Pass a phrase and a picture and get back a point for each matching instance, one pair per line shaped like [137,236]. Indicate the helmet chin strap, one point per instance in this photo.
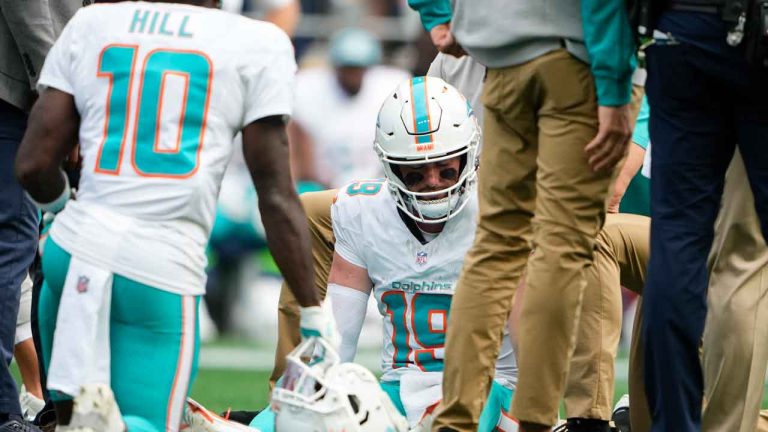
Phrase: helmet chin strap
[436,209]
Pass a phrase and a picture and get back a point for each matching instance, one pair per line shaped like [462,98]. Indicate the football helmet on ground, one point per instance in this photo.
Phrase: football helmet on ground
[319,394]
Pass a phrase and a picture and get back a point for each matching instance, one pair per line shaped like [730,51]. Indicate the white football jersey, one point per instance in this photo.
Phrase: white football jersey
[341,126]
[413,283]
[161,89]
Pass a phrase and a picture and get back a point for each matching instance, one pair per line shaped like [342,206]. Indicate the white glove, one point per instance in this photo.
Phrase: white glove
[318,321]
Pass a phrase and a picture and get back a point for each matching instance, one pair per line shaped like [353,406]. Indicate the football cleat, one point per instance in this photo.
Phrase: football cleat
[242,417]
[197,418]
[620,415]
[94,410]
[30,404]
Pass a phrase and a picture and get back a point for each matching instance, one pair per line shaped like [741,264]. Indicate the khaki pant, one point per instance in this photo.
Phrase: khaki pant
[538,118]
[591,379]
[317,206]
[735,342]
[621,254]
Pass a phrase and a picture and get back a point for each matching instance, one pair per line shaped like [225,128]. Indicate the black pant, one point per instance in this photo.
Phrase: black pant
[705,99]
[18,241]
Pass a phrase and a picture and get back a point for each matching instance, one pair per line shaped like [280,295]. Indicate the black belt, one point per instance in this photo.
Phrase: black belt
[689,7]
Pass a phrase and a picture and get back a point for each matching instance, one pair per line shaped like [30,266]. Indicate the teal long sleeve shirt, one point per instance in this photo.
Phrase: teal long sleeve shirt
[611,47]
[607,36]
[432,12]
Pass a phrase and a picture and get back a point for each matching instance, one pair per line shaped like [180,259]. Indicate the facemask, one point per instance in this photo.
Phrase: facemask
[439,208]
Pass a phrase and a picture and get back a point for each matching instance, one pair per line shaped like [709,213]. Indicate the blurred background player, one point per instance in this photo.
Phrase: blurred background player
[330,131]
[125,267]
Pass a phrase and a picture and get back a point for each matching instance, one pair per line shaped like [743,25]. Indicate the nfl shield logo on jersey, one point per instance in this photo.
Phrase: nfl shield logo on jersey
[421,258]
[82,284]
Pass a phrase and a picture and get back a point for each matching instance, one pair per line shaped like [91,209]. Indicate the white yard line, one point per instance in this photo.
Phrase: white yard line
[256,359]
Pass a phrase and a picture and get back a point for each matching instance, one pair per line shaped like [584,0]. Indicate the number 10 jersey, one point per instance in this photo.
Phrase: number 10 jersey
[161,90]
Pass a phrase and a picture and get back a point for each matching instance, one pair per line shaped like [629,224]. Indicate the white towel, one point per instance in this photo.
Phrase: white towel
[81,341]
[419,391]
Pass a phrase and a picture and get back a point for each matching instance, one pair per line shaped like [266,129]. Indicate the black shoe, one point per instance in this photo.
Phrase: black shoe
[46,418]
[620,419]
[18,424]
[577,424]
[242,417]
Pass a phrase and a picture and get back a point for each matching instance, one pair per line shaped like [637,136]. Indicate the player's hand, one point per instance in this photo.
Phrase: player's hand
[443,40]
[612,140]
[318,321]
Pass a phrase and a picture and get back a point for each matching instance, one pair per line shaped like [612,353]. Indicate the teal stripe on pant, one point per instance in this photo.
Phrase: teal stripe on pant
[145,340]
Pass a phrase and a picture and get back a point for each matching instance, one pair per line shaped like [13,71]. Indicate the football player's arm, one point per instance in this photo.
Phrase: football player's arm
[265,148]
[50,137]
[348,288]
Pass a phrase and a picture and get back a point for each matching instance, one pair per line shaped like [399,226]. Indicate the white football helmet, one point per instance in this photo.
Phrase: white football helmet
[427,120]
[319,394]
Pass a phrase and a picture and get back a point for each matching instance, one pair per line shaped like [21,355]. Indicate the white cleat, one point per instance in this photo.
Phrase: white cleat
[30,404]
[94,410]
[198,419]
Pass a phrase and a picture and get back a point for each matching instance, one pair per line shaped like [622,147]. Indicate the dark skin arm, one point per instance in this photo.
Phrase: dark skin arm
[50,137]
[265,147]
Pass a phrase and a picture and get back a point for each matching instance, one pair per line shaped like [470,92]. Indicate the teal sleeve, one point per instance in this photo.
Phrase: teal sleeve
[611,47]
[641,136]
[432,12]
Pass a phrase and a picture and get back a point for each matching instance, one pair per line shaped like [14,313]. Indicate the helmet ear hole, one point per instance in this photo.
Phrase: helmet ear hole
[355,402]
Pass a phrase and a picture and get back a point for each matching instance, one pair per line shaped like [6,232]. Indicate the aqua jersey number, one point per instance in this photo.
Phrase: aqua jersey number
[149,158]
[418,328]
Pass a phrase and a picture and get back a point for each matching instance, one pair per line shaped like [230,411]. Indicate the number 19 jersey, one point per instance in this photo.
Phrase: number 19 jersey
[413,282]
[161,89]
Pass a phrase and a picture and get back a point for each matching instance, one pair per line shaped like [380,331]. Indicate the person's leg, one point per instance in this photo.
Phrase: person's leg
[751,118]
[492,268]
[18,238]
[735,346]
[392,389]
[26,359]
[589,389]
[692,144]
[570,211]
[762,423]
[639,413]
[154,340]
[24,350]
[494,416]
